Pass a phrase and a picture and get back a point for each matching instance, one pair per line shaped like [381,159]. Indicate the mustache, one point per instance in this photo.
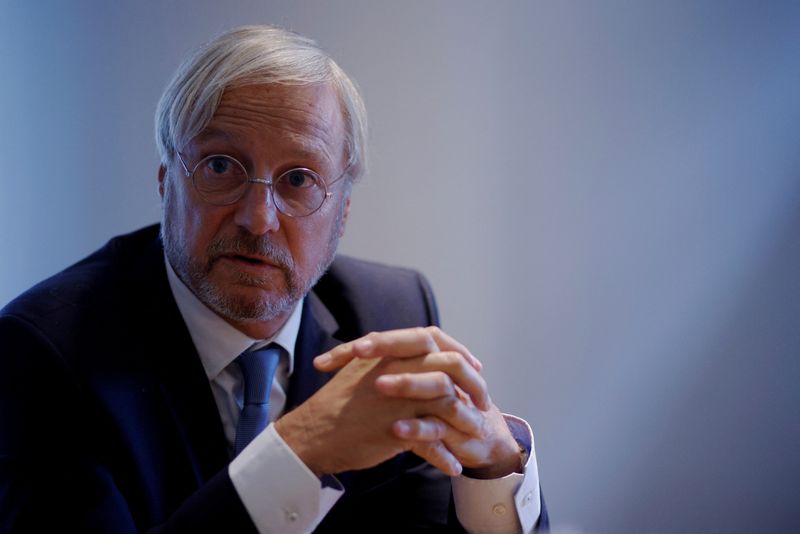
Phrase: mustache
[248,244]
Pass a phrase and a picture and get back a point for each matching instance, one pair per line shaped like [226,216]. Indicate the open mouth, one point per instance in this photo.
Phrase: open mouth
[250,260]
[254,262]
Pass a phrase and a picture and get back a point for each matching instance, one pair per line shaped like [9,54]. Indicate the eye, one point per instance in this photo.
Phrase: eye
[298,179]
[220,179]
[221,165]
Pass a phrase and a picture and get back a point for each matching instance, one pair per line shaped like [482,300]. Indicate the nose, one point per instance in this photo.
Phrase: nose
[256,211]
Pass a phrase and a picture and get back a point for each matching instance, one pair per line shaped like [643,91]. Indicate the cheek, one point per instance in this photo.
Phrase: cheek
[308,239]
[202,227]
[194,225]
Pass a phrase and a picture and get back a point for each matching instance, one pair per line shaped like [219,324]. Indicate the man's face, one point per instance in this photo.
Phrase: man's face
[247,261]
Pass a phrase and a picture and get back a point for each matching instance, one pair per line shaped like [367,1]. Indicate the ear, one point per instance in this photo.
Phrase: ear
[162,174]
[344,216]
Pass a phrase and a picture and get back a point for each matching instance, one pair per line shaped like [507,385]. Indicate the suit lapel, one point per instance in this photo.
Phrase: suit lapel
[317,335]
[182,379]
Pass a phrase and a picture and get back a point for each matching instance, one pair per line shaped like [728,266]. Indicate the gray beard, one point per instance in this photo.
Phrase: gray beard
[235,308]
[194,273]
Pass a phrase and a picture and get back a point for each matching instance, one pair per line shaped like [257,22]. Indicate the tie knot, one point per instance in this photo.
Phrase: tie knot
[258,370]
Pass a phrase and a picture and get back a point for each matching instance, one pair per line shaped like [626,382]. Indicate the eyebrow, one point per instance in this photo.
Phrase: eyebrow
[211,134]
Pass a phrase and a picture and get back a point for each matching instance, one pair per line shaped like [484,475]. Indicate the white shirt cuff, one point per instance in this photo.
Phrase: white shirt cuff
[510,504]
[279,492]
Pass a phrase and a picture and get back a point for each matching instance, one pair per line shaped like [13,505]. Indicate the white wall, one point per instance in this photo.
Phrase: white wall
[604,194]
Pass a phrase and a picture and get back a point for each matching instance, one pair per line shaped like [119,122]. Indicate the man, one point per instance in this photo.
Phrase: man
[138,385]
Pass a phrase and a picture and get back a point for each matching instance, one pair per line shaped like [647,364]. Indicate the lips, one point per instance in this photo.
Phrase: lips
[248,263]
[254,260]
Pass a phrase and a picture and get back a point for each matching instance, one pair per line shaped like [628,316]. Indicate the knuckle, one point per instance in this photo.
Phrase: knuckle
[485,429]
[431,333]
[443,383]
[431,450]
[413,428]
[440,430]
[451,406]
[425,430]
[403,382]
[452,360]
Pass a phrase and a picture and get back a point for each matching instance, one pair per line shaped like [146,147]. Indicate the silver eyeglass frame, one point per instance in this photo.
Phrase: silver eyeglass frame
[268,183]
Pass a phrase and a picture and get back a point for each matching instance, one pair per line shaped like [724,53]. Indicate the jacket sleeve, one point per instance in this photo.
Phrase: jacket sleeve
[54,476]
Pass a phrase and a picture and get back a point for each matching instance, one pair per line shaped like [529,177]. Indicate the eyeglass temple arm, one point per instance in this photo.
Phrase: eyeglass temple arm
[185,168]
[344,173]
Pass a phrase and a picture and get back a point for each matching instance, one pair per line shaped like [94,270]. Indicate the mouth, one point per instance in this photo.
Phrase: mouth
[252,260]
[251,263]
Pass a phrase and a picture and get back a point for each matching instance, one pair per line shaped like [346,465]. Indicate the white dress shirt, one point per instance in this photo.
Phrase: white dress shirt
[279,492]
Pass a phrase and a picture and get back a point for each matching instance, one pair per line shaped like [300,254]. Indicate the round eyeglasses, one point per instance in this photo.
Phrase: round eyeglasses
[222,180]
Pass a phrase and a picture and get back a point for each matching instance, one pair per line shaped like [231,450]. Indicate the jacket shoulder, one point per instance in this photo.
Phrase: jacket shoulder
[82,292]
[367,296]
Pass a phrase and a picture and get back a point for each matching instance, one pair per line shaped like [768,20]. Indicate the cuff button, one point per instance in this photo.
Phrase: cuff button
[498,509]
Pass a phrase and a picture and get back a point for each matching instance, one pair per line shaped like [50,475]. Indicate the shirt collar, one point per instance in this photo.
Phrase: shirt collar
[217,342]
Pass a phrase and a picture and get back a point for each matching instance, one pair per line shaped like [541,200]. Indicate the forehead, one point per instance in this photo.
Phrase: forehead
[302,119]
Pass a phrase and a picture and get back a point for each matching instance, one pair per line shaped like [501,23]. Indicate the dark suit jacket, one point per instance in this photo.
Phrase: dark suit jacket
[108,423]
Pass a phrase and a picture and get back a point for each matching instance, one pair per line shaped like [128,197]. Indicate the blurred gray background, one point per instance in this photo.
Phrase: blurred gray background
[605,196]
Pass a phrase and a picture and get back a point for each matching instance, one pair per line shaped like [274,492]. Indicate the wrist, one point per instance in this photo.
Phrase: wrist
[293,431]
[510,457]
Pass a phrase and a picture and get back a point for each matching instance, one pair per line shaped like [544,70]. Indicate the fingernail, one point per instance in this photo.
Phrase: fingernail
[322,360]
[457,468]
[402,428]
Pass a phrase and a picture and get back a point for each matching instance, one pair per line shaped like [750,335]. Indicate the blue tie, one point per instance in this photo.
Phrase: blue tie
[258,370]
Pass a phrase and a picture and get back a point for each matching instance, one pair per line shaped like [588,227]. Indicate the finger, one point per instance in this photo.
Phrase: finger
[456,414]
[462,396]
[468,451]
[438,456]
[447,342]
[412,342]
[406,343]
[334,359]
[422,429]
[420,386]
[455,367]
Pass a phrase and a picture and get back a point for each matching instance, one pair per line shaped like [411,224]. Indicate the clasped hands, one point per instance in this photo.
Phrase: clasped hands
[416,390]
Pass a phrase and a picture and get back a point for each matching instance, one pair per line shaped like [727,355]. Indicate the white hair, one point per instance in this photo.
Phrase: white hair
[253,55]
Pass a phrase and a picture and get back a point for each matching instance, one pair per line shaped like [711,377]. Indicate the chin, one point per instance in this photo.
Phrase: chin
[248,304]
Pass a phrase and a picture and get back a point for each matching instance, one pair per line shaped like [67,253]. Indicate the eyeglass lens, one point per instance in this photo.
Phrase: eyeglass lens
[223,180]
